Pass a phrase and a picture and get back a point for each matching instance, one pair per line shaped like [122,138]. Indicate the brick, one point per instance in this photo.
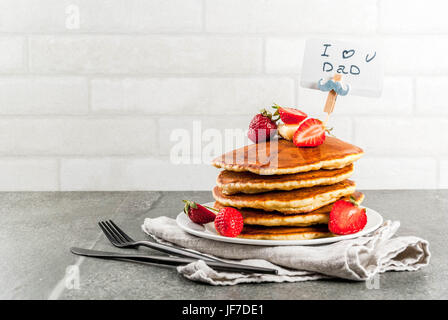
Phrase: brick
[190,96]
[342,127]
[100,15]
[135,174]
[302,16]
[145,54]
[396,99]
[43,95]
[284,54]
[28,174]
[415,55]
[402,136]
[395,173]
[402,16]
[12,58]
[430,95]
[77,136]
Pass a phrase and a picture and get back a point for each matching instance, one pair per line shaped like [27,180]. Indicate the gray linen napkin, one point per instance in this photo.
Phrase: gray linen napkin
[356,259]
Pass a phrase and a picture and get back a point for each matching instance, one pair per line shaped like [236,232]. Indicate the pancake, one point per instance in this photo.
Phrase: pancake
[285,233]
[263,218]
[283,157]
[288,202]
[232,182]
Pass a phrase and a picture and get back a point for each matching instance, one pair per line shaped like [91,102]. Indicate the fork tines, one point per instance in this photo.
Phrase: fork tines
[114,233]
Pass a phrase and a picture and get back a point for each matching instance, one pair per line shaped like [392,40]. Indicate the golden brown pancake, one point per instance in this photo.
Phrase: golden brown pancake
[283,157]
[264,218]
[285,233]
[232,182]
[288,202]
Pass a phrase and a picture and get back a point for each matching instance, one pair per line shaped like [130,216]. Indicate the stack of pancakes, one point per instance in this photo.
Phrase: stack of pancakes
[285,192]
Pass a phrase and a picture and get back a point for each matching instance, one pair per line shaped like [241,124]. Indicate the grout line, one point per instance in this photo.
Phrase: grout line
[296,92]
[218,75]
[263,55]
[59,288]
[414,96]
[378,17]
[204,33]
[204,16]
[89,95]
[27,57]
[58,173]
[227,75]
[352,129]
[438,173]
[155,117]
[236,34]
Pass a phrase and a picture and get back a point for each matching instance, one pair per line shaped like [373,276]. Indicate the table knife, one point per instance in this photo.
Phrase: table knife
[172,261]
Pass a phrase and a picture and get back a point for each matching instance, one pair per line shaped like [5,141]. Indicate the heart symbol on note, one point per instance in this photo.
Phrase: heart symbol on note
[348,53]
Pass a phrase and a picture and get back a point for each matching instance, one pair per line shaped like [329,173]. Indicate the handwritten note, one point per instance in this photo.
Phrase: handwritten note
[359,65]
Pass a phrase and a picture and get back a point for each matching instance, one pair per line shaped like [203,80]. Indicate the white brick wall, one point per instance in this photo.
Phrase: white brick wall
[93,106]
[190,96]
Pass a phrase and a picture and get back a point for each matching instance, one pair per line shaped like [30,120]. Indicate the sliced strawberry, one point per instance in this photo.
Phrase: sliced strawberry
[346,217]
[290,115]
[310,133]
[197,213]
[229,222]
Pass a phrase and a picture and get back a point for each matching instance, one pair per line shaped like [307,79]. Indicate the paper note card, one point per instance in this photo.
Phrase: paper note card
[359,65]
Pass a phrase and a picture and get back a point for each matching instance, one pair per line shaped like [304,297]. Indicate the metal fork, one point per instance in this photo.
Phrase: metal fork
[121,240]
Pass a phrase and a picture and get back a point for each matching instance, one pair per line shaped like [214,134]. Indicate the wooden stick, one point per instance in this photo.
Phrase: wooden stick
[331,99]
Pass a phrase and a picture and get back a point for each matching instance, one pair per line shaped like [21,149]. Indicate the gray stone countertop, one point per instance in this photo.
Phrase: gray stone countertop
[38,228]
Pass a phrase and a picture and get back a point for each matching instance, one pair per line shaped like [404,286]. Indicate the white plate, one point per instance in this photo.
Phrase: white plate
[374,220]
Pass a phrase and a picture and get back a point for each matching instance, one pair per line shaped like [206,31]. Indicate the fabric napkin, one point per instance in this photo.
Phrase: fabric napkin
[355,259]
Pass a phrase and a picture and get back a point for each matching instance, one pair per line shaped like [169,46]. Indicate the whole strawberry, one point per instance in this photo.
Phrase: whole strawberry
[262,127]
[229,222]
[346,217]
[197,213]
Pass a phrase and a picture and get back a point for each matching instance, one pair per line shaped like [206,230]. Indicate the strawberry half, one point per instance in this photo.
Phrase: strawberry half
[290,115]
[197,213]
[311,133]
[229,222]
[346,217]
[262,127]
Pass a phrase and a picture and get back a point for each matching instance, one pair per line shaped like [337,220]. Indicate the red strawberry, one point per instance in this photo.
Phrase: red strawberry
[197,213]
[346,217]
[290,115]
[310,133]
[262,127]
[229,222]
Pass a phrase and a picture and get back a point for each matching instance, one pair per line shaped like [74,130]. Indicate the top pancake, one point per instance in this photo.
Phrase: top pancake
[232,182]
[283,157]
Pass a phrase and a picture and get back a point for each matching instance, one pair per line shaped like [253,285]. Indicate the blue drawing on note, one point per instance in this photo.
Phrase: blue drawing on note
[333,85]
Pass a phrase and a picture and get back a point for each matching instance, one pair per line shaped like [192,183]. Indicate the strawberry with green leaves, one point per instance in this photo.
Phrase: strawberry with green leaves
[289,115]
[346,217]
[198,213]
[262,127]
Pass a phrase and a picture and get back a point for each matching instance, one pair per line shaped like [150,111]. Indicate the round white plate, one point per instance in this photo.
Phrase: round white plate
[374,220]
